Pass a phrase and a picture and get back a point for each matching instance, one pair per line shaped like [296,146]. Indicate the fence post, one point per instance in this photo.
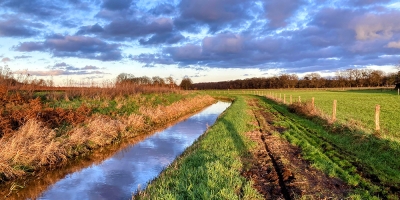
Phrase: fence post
[284,98]
[334,111]
[299,99]
[313,103]
[377,110]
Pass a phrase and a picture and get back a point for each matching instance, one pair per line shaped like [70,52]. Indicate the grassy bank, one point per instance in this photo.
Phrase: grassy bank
[35,146]
[365,162]
[210,169]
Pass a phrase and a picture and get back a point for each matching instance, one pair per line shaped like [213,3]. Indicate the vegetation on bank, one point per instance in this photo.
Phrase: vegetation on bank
[367,163]
[49,133]
[211,167]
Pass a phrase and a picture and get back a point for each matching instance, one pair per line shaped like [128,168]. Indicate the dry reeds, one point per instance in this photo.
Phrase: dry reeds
[34,145]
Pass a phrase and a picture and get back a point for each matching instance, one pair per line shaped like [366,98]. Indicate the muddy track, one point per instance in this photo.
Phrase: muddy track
[278,169]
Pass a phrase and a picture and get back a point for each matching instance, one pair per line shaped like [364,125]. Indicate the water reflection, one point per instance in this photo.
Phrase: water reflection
[121,175]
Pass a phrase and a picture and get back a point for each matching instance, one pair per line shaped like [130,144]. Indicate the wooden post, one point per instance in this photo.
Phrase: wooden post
[299,99]
[313,103]
[334,111]
[284,98]
[290,99]
[280,96]
[377,110]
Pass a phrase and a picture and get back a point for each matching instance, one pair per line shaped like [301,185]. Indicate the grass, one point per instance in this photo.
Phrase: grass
[210,169]
[120,105]
[363,161]
[355,107]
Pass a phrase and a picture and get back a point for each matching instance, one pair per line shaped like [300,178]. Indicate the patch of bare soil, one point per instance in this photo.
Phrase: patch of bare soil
[278,169]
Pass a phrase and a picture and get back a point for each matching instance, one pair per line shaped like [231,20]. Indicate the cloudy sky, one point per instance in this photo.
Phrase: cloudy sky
[207,40]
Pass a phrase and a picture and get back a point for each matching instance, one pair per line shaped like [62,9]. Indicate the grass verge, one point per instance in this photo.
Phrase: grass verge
[211,167]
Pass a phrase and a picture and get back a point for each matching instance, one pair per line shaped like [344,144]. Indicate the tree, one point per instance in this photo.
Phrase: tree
[186,83]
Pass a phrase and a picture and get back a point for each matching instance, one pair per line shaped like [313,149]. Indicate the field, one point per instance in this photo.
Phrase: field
[259,148]
[356,106]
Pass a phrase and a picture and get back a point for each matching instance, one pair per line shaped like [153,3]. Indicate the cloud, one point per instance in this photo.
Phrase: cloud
[63,68]
[121,29]
[394,44]
[59,72]
[163,38]
[217,14]
[74,46]
[279,11]
[15,27]
[116,4]
[90,67]
[6,59]
[22,57]
[188,52]
[94,29]
[163,9]
[223,43]
[377,26]
[37,8]
[152,58]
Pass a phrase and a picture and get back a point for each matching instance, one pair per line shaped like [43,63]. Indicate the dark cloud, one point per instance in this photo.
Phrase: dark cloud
[15,27]
[117,4]
[120,29]
[217,14]
[74,46]
[163,9]
[38,8]
[94,29]
[152,58]
[279,11]
[135,28]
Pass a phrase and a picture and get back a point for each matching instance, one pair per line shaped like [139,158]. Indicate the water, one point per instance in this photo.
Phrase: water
[119,176]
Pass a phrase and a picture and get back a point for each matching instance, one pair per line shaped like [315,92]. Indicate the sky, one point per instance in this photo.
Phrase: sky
[206,40]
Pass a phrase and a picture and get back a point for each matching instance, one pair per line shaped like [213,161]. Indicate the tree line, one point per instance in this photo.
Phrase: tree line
[344,78]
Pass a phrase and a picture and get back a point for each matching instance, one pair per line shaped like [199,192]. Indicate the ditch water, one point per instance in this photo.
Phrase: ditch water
[130,169]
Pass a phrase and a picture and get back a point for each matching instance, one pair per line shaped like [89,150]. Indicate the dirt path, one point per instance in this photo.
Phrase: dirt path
[278,169]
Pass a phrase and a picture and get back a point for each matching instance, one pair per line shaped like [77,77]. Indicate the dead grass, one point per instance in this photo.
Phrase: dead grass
[34,145]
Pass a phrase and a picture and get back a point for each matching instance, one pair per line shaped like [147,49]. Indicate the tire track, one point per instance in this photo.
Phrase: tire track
[294,176]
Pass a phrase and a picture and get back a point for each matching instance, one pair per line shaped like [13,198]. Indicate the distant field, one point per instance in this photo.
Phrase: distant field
[353,106]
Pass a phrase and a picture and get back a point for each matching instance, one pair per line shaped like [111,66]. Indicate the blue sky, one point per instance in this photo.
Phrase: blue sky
[206,40]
